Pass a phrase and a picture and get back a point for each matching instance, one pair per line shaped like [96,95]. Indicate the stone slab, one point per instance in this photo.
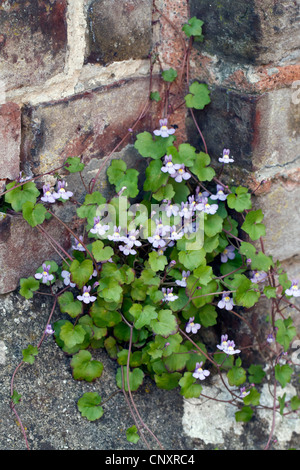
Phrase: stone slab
[10,137]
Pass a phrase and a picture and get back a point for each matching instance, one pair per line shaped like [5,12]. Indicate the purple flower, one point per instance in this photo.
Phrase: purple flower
[181,173]
[171,209]
[78,245]
[127,250]
[98,228]
[116,236]
[228,253]
[206,207]
[61,192]
[67,278]
[182,282]
[156,240]
[168,167]
[226,158]
[199,373]
[243,392]
[200,195]
[164,131]
[185,211]
[161,228]
[192,327]
[270,338]
[258,276]
[226,302]
[44,275]
[220,194]
[49,330]
[168,295]
[86,297]
[48,196]
[227,346]
[174,234]
[294,289]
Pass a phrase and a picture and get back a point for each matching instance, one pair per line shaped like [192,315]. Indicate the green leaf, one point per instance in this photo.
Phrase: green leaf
[213,224]
[245,294]
[136,378]
[283,374]
[154,147]
[121,177]
[157,262]
[281,403]
[194,28]
[28,286]
[29,354]
[236,376]
[155,96]
[189,389]
[69,305]
[88,405]
[73,164]
[72,335]
[84,368]
[192,259]
[169,75]
[34,214]
[198,97]
[142,315]
[132,434]
[81,272]
[201,167]
[155,178]
[253,398]
[256,374]
[165,324]
[295,403]
[16,397]
[244,415]
[28,192]
[207,315]
[286,332]
[103,317]
[253,225]
[165,192]
[167,380]
[259,261]
[100,252]
[185,155]
[239,199]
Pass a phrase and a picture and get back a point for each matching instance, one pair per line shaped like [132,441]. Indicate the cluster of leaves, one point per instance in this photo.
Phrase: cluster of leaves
[130,318]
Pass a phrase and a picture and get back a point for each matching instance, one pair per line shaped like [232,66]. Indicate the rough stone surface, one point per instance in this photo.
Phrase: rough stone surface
[87,125]
[118,30]
[10,137]
[33,41]
[247,31]
[23,249]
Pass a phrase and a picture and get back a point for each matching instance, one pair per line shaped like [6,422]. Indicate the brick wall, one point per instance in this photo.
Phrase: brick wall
[74,75]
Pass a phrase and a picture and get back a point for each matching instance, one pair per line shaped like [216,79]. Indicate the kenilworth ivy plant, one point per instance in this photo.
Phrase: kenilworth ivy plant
[153,268]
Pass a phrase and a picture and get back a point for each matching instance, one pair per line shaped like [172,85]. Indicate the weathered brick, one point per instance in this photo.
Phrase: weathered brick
[118,30]
[10,137]
[256,31]
[33,41]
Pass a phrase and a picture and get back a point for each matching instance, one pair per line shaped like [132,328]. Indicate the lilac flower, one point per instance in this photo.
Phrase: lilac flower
[61,192]
[171,209]
[22,178]
[174,234]
[168,167]
[182,282]
[270,338]
[161,228]
[199,373]
[168,295]
[48,196]
[98,228]
[228,253]
[226,302]
[127,250]
[181,173]
[86,297]
[131,239]
[185,211]
[192,327]
[258,276]
[243,392]
[294,289]
[78,245]
[116,236]
[44,275]
[225,158]
[164,131]
[200,195]
[227,346]
[206,207]
[49,330]
[67,278]
[220,194]
[157,241]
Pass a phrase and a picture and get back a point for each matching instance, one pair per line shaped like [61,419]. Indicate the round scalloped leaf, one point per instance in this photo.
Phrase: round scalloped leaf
[88,405]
